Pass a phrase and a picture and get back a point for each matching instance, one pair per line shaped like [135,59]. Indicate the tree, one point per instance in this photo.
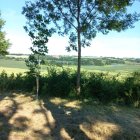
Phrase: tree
[80,20]
[4,44]
[33,63]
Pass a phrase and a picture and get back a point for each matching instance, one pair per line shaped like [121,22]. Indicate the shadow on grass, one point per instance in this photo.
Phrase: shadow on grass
[91,122]
[24,118]
[8,109]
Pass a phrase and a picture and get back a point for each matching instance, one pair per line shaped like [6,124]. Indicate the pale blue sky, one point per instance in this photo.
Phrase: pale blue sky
[124,44]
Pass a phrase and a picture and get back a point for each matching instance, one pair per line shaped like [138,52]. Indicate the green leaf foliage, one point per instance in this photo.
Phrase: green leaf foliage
[45,17]
[103,87]
[80,20]
[4,43]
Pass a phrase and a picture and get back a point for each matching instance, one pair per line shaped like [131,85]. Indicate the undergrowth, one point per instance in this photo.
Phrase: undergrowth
[103,87]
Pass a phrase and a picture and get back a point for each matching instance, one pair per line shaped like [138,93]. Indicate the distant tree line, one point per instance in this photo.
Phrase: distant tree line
[97,61]
[72,60]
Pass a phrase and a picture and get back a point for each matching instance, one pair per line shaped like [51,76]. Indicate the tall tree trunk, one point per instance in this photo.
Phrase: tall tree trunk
[78,87]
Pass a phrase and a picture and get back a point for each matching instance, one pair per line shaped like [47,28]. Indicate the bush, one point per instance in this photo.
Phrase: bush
[131,90]
[16,82]
[3,81]
[100,86]
[58,83]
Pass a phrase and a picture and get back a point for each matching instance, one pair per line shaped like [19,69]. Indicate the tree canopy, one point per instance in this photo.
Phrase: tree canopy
[80,20]
[4,43]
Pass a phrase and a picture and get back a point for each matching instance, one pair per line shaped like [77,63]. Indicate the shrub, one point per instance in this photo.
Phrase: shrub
[100,86]
[131,90]
[58,83]
[3,81]
[16,82]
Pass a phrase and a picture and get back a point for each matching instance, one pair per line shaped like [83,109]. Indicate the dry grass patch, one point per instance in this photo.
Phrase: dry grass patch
[99,130]
[66,103]
[24,118]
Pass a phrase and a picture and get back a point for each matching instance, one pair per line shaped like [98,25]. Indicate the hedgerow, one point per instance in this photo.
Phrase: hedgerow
[101,86]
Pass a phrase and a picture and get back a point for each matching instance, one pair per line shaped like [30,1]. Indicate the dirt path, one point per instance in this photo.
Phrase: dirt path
[24,118]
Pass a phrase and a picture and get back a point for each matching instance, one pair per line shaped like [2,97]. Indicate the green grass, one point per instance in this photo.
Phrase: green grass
[12,64]
[12,70]
[20,66]
[122,68]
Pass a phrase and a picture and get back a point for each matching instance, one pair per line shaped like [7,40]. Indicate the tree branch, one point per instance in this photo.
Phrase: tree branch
[90,14]
[59,8]
[71,10]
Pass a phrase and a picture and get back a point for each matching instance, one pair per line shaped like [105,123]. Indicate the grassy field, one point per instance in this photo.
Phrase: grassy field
[19,66]
[12,70]
[12,64]
[122,68]
[24,118]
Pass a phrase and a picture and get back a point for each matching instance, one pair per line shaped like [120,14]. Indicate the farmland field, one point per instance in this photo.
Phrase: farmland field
[20,66]
[115,68]
[123,69]
[12,64]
